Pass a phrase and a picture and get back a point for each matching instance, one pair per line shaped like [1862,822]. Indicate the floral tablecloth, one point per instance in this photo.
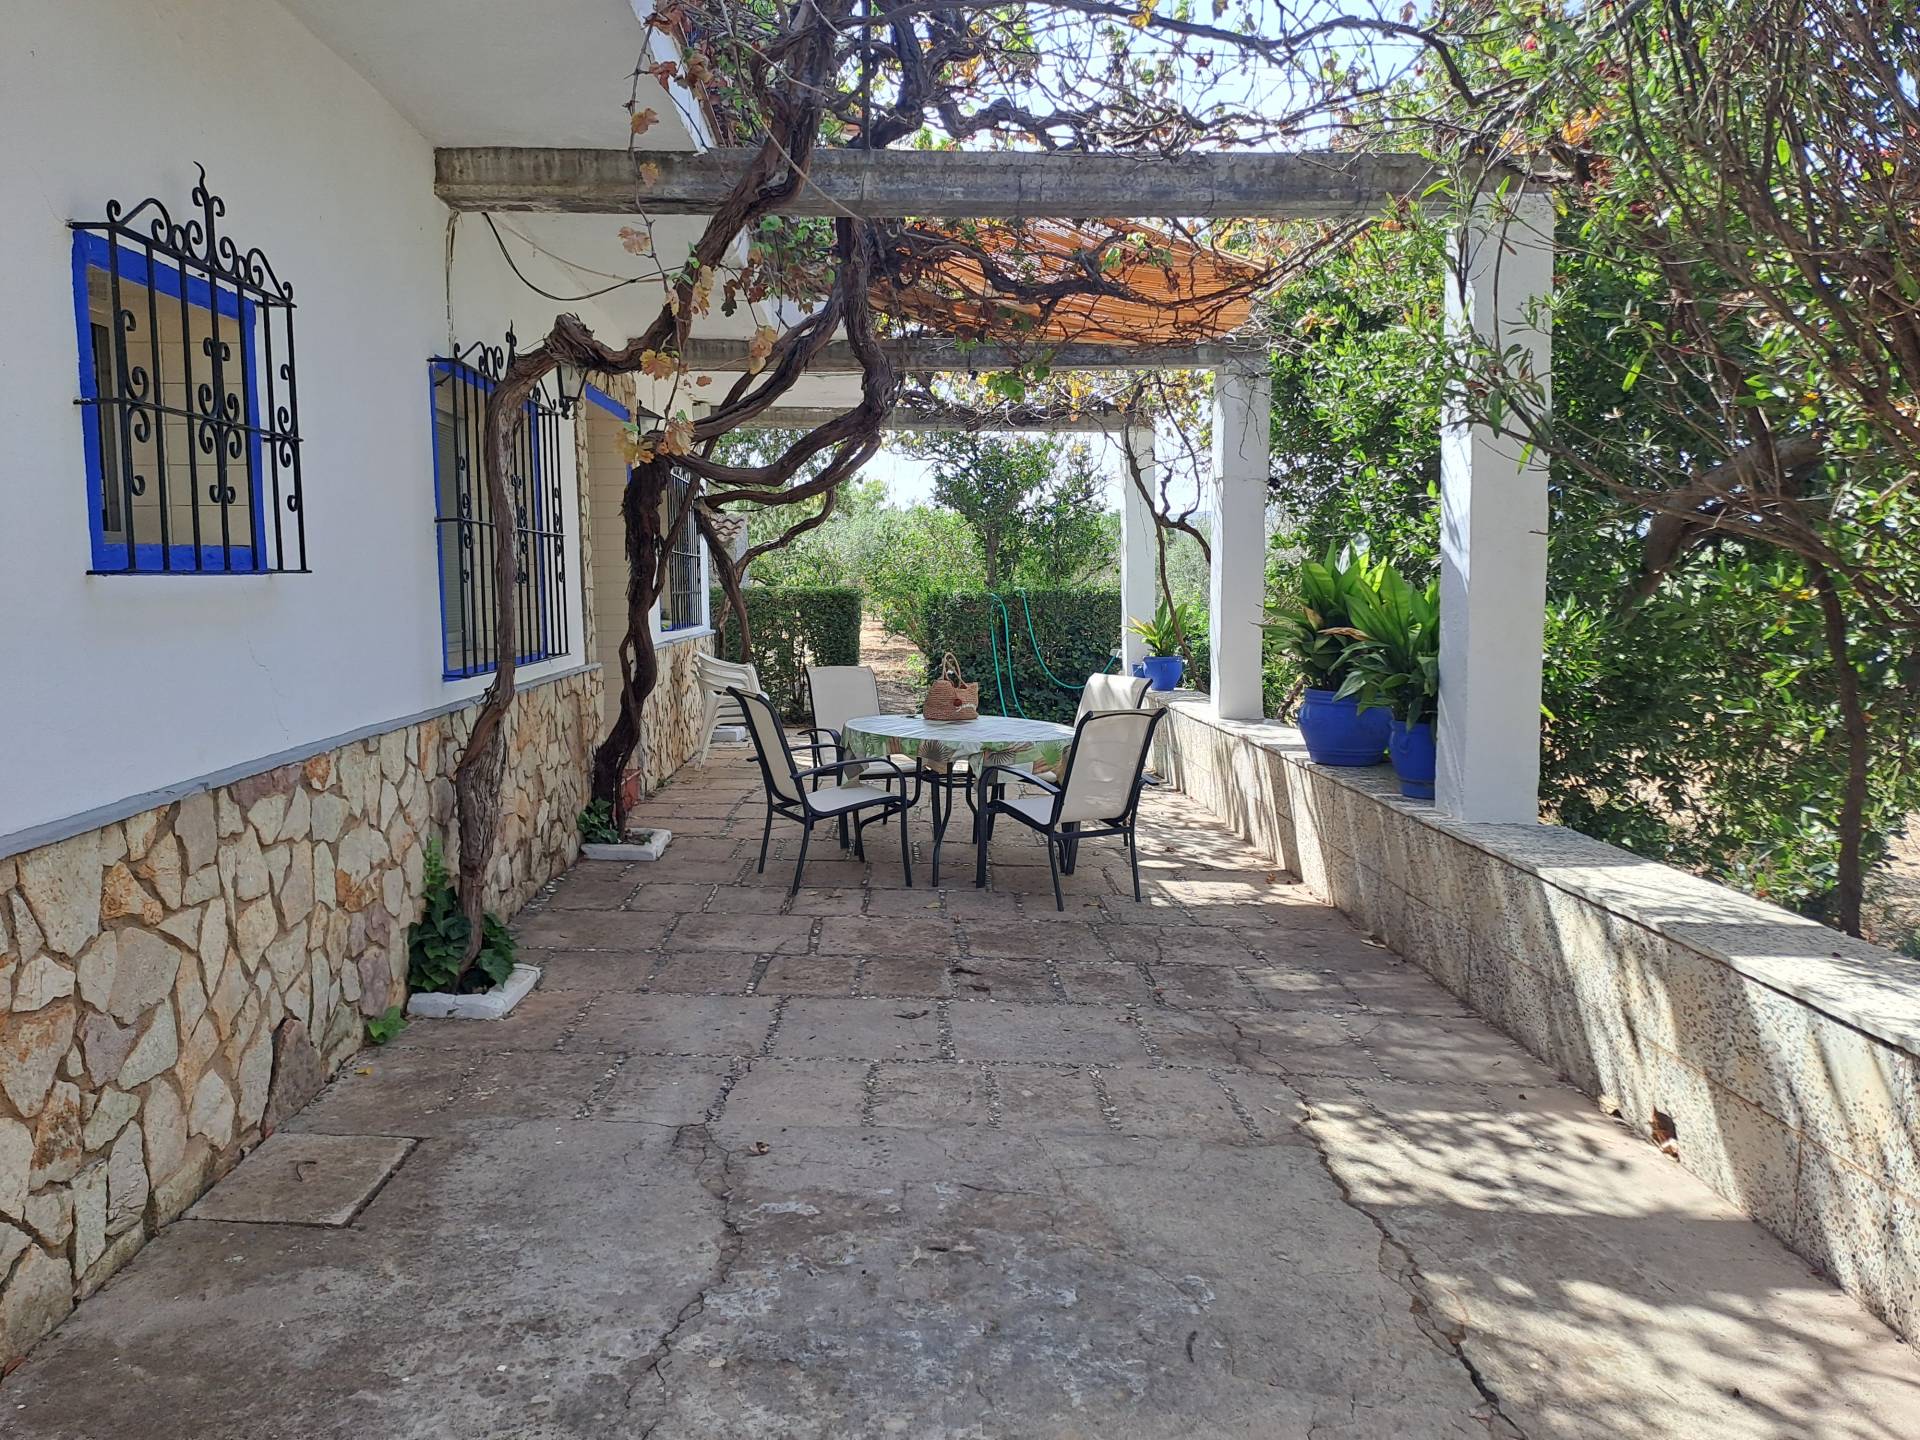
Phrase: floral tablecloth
[993,739]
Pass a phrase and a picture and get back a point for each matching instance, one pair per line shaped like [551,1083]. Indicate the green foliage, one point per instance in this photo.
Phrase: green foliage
[437,941]
[904,556]
[1699,726]
[794,627]
[897,556]
[1076,631]
[1357,397]
[1393,660]
[1189,573]
[1034,506]
[386,1026]
[597,825]
[1168,631]
[1313,620]
[1700,729]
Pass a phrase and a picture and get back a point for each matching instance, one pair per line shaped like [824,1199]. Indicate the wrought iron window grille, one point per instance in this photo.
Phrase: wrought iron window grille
[187,387]
[464,524]
[682,600]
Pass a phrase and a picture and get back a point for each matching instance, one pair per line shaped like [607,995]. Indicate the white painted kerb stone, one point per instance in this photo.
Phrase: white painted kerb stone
[494,1004]
[650,848]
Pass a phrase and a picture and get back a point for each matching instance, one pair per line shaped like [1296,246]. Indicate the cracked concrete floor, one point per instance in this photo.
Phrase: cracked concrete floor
[891,1162]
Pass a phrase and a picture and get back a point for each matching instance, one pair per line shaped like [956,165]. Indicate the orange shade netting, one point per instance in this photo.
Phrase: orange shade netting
[1158,289]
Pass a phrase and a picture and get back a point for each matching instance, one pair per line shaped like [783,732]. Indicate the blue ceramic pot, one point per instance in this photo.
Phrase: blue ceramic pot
[1338,732]
[1411,747]
[1163,672]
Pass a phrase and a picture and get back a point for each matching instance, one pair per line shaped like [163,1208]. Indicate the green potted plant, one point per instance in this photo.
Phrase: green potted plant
[1393,665]
[1163,635]
[444,986]
[1315,626]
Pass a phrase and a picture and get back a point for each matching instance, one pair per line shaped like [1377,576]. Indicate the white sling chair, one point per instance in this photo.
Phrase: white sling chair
[1105,692]
[716,706]
[1098,793]
[841,693]
[1111,692]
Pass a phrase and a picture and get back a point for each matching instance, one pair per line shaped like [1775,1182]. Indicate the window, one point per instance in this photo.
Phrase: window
[464,521]
[683,603]
[187,396]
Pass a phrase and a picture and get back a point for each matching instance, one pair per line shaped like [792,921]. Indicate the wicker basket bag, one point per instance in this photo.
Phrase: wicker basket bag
[950,697]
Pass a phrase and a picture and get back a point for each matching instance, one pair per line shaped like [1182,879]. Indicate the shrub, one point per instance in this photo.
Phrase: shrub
[794,627]
[437,941]
[1168,631]
[1076,631]
[387,1025]
[1313,614]
[597,825]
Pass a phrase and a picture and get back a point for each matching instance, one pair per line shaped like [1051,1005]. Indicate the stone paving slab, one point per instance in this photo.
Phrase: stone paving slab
[295,1179]
[862,1029]
[874,1161]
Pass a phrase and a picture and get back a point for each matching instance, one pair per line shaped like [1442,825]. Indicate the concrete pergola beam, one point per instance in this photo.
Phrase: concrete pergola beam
[957,184]
[941,354]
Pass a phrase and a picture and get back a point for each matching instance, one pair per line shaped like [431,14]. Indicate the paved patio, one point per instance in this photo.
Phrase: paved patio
[883,1161]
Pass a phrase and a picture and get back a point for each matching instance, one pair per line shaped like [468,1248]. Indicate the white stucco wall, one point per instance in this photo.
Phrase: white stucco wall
[111,687]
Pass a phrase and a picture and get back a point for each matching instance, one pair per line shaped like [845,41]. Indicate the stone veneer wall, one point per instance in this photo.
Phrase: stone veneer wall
[670,725]
[172,984]
[1773,1057]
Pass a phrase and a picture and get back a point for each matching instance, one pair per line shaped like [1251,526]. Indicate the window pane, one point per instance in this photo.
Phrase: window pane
[179,438]
[464,526]
[681,600]
[107,481]
[449,535]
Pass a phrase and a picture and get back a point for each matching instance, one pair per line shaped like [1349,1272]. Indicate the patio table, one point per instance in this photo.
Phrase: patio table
[945,746]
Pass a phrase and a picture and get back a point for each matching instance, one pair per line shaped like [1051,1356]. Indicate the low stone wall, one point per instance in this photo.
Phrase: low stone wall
[175,982]
[1773,1057]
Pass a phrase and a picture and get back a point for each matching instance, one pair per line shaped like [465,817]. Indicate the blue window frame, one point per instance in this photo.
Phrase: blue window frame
[169,376]
[464,524]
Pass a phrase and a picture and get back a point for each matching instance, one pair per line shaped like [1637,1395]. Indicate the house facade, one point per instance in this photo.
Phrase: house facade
[245,556]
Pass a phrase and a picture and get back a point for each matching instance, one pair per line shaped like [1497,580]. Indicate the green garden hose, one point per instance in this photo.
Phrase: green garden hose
[1003,678]
[1006,688]
[1027,609]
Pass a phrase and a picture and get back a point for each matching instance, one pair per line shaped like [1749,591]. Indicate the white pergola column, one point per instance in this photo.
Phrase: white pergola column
[1493,534]
[1138,551]
[1242,420]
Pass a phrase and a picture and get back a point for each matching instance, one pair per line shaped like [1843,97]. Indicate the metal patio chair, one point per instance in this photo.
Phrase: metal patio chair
[790,796]
[1098,794]
[837,694]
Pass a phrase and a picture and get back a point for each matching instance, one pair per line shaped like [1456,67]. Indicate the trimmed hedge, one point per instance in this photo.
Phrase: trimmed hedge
[793,627]
[1076,629]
